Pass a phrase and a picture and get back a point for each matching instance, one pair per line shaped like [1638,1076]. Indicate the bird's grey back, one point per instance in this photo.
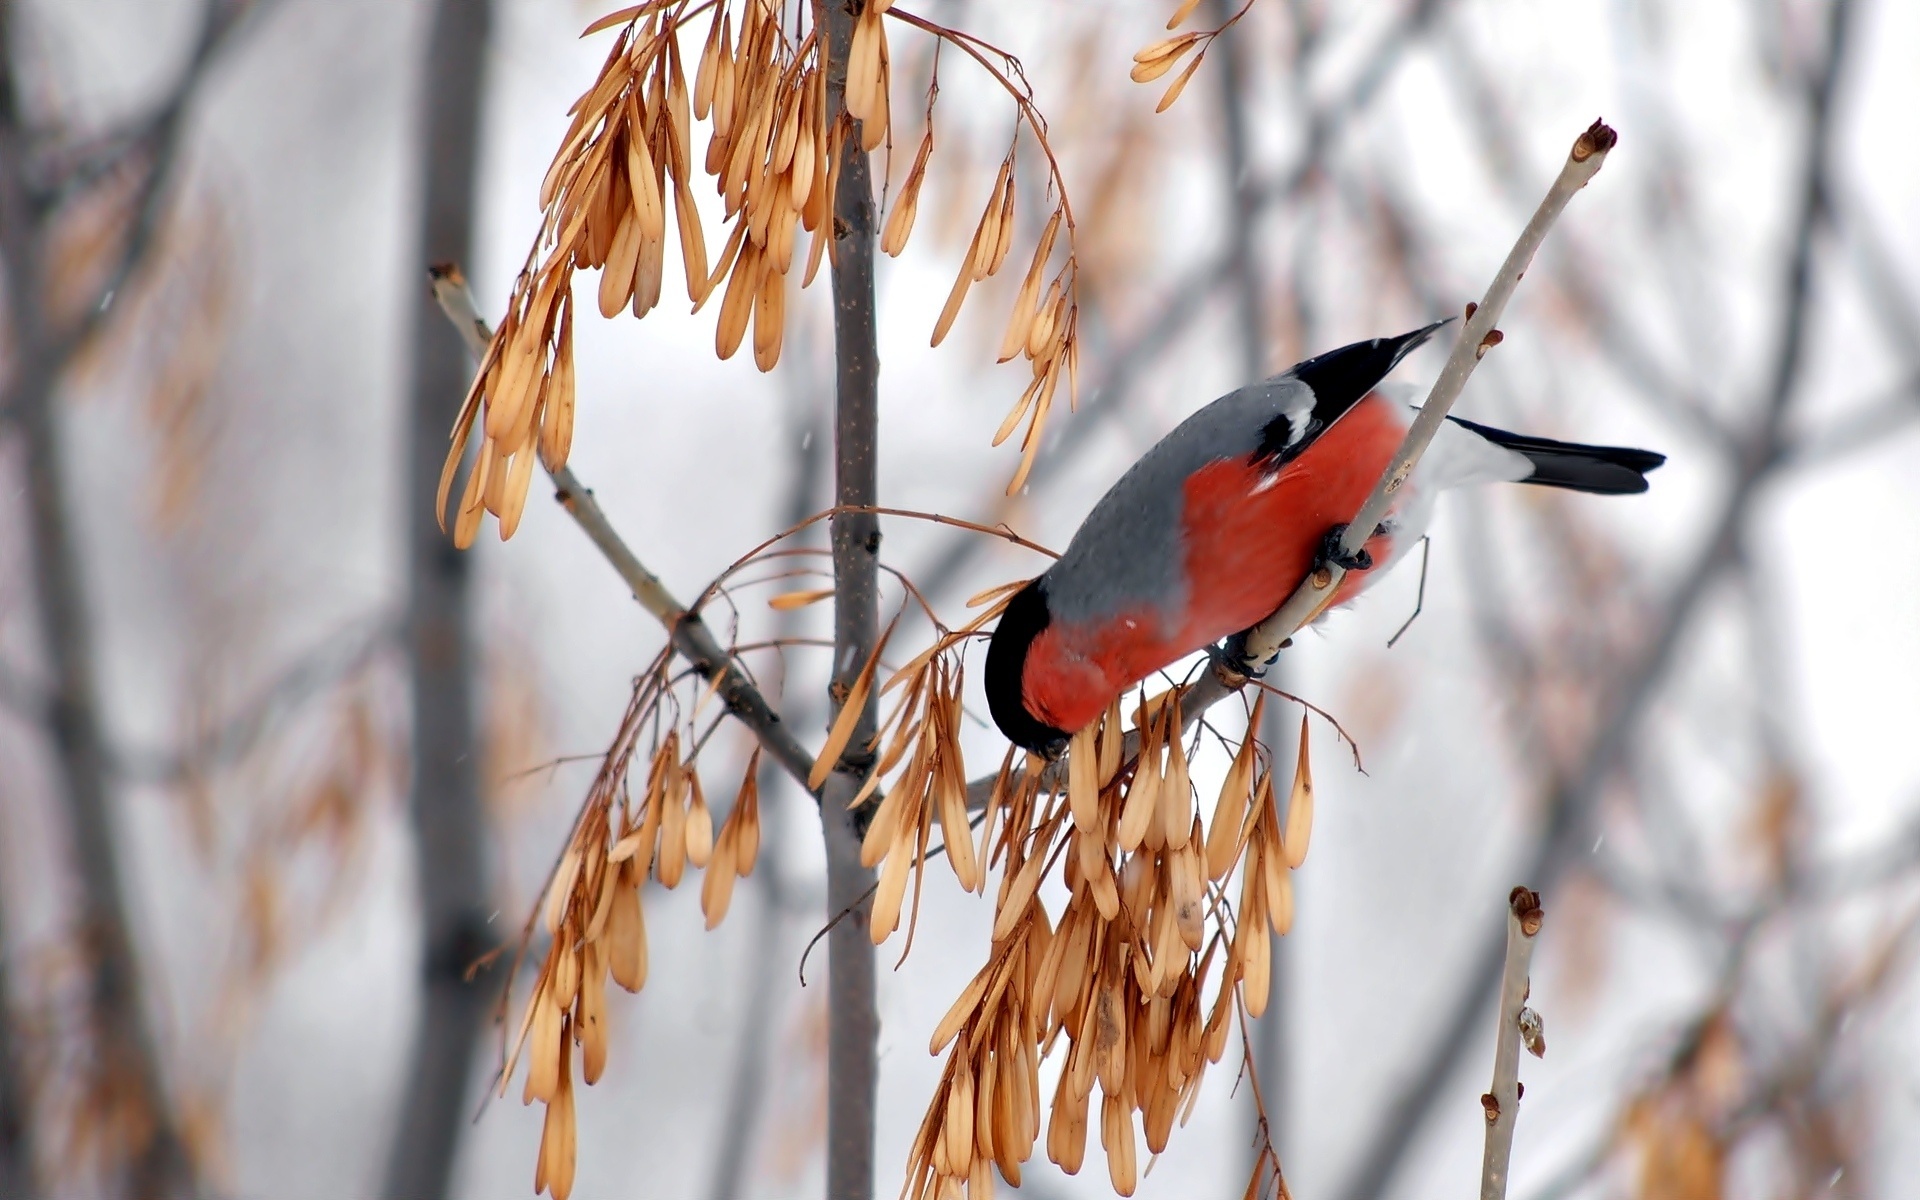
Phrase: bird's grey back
[1129,550]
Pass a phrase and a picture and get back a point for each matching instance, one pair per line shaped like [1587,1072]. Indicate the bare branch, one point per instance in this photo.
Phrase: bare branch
[1502,1101]
[1572,799]
[688,632]
[1478,333]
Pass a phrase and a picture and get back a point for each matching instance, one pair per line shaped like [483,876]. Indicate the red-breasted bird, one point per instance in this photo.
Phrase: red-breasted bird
[1215,526]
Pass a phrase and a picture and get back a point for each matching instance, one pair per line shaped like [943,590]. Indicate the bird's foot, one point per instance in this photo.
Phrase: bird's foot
[1331,555]
[1233,667]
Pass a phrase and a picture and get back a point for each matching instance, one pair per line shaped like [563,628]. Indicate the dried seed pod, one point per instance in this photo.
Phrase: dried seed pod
[1181,13]
[769,319]
[590,1016]
[1258,964]
[874,127]
[1188,893]
[723,93]
[627,934]
[959,1013]
[1176,795]
[616,278]
[553,1170]
[716,887]
[787,130]
[560,890]
[1230,811]
[729,254]
[1143,796]
[863,66]
[893,238]
[746,815]
[1003,231]
[643,182]
[647,275]
[1019,896]
[673,830]
[707,75]
[556,415]
[892,889]
[543,1049]
[1116,1135]
[1025,305]
[1180,83]
[1278,892]
[805,148]
[743,287]
[1153,61]
[958,1134]
[1113,740]
[982,254]
[693,241]
[1067,1128]
[955,299]
[1300,804]
[1083,779]
[699,820]
[514,501]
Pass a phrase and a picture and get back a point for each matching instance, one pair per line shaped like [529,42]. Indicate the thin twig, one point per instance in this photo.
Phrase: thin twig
[1574,795]
[1502,1102]
[688,632]
[1478,334]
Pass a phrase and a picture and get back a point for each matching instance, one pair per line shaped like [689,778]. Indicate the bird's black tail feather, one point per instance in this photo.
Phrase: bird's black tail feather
[1604,470]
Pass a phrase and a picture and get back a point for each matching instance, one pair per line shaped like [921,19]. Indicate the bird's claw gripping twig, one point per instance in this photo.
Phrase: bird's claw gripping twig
[1332,555]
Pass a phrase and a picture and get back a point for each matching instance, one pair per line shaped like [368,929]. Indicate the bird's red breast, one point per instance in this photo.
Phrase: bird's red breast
[1249,535]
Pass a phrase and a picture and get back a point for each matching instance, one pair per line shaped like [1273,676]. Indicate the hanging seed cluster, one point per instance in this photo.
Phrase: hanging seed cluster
[593,915]
[1127,974]
[773,152]
[1162,56]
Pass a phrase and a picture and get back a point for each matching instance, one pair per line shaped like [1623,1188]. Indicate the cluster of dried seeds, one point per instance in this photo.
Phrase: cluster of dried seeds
[592,913]
[774,153]
[1154,61]
[1127,975]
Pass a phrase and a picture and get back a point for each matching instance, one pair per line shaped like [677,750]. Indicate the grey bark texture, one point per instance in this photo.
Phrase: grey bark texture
[448,819]
[853,1024]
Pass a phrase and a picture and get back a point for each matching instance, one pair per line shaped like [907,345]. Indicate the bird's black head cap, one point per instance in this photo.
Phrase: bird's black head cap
[1339,378]
[1024,619]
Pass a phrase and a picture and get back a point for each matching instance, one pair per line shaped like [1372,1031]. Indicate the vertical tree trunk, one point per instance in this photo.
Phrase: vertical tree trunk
[449,824]
[853,1024]
[17,1174]
[124,1064]
[1250,311]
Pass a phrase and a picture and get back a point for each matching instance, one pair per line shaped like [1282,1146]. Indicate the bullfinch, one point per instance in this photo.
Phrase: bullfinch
[1215,526]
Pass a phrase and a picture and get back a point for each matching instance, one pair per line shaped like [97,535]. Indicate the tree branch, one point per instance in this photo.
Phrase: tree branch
[1478,334]
[691,637]
[853,1025]
[1573,797]
[1502,1101]
[445,804]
